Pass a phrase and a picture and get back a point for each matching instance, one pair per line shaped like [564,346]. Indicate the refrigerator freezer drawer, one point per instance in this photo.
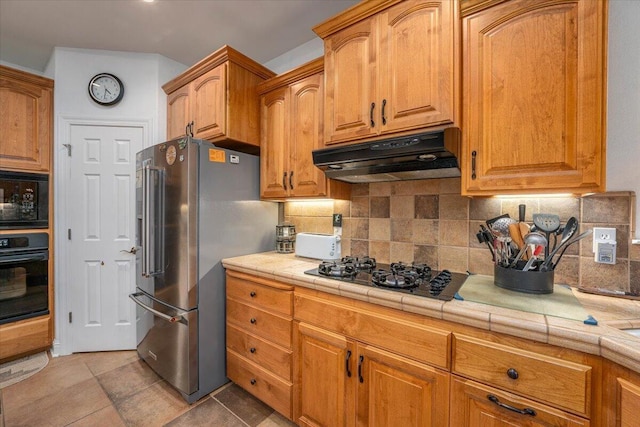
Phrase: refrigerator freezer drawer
[168,346]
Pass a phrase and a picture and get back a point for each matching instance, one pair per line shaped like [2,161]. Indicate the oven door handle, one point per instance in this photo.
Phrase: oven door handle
[170,319]
[10,259]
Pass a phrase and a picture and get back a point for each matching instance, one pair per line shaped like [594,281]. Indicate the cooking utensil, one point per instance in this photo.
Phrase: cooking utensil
[500,228]
[492,220]
[541,242]
[484,236]
[548,223]
[580,237]
[569,229]
[529,239]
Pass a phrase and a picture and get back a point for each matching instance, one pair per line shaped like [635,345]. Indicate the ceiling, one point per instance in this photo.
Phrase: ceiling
[183,30]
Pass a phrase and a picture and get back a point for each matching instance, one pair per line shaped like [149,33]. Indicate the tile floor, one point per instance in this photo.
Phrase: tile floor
[118,389]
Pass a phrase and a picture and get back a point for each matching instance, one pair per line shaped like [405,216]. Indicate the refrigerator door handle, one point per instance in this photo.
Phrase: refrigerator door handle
[152,209]
[171,319]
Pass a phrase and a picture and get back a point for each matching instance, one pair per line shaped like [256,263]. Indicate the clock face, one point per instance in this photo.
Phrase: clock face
[106,89]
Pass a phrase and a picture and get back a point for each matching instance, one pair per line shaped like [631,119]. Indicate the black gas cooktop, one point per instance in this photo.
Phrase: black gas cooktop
[414,279]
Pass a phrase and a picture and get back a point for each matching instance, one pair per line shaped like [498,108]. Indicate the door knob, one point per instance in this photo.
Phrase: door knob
[132,251]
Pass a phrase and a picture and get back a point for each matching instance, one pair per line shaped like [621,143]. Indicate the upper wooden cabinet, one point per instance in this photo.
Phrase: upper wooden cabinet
[533,96]
[291,115]
[217,99]
[390,67]
[26,102]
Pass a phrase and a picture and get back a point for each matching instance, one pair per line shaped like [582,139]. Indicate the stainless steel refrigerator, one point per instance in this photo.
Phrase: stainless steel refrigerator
[195,204]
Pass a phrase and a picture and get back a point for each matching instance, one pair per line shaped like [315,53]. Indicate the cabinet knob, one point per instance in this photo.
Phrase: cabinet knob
[252,294]
[253,381]
[252,349]
[512,373]
[253,320]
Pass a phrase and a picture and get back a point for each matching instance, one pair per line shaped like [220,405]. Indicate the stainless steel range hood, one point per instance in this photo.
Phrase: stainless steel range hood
[421,156]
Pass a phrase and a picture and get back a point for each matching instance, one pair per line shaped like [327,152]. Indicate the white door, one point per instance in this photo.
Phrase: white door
[101,206]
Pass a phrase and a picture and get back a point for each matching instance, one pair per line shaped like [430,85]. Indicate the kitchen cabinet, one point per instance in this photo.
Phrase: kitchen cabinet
[216,100]
[621,396]
[259,338]
[537,387]
[390,67]
[477,405]
[534,81]
[347,376]
[291,128]
[26,101]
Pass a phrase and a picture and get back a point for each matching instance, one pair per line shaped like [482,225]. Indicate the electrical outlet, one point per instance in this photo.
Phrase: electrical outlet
[604,245]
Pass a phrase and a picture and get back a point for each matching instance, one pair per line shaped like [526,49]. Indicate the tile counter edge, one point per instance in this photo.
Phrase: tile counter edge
[602,340]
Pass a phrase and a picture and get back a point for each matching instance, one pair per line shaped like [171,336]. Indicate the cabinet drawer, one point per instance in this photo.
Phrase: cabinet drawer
[475,404]
[272,390]
[261,352]
[275,328]
[414,340]
[260,295]
[548,379]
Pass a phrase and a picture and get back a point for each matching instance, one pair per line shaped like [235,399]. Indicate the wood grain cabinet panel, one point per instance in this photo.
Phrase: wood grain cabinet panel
[292,125]
[216,100]
[534,76]
[620,396]
[259,338]
[26,126]
[394,70]
[477,405]
[555,381]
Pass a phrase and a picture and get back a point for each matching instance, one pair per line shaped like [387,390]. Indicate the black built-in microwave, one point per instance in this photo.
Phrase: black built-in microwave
[24,200]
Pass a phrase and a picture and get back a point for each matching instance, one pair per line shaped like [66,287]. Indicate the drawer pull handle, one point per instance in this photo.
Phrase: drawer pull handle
[253,320]
[253,381]
[373,106]
[252,294]
[513,374]
[525,411]
[252,349]
[346,363]
[473,164]
[360,360]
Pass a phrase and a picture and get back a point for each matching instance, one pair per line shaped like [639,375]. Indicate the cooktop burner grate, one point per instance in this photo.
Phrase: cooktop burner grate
[416,279]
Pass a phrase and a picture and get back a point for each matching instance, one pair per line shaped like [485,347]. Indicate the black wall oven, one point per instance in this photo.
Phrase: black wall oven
[24,200]
[24,276]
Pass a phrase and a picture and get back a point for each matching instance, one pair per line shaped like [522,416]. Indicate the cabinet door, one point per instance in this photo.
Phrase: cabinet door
[395,391]
[351,108]
[274,144]
[417,64]
[533,84]
[178,112]
[25,125]
[628,408]
[476,405]
[326,367]
[209,103]
[305,179]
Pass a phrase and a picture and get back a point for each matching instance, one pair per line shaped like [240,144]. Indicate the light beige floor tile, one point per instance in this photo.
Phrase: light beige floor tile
[60,408]
[105,361]
[127,380]
[207,413]
[105,417]
[154,406]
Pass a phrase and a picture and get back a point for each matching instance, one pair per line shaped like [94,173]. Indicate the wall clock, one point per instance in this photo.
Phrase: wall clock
[106,89]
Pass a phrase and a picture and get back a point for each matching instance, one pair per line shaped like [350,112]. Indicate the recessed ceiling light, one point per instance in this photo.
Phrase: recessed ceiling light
[148,1]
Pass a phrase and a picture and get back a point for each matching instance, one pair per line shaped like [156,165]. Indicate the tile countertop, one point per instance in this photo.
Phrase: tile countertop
[605,339]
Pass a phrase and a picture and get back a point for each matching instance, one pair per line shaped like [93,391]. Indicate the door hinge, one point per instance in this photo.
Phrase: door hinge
[68,233]
[68,147]
[70,317]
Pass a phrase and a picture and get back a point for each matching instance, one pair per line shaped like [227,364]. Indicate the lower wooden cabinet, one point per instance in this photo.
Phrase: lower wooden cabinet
[620,396]
[478,405]
[342,382]
[259,338]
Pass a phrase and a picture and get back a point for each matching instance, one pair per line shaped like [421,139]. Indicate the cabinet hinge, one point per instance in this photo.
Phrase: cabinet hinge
[68,147]
[70,317]
[68,233]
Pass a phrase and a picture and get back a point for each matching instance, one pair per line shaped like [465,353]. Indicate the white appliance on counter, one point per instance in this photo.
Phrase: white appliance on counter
[195,205]
[318,246]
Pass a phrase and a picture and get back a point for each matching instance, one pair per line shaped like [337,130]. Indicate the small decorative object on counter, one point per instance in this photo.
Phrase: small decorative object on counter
[285,238]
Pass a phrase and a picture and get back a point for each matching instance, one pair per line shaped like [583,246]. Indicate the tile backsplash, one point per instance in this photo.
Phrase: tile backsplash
[429,221]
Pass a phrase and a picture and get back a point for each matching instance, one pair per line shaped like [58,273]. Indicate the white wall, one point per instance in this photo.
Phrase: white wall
[295,57]
[623,123]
